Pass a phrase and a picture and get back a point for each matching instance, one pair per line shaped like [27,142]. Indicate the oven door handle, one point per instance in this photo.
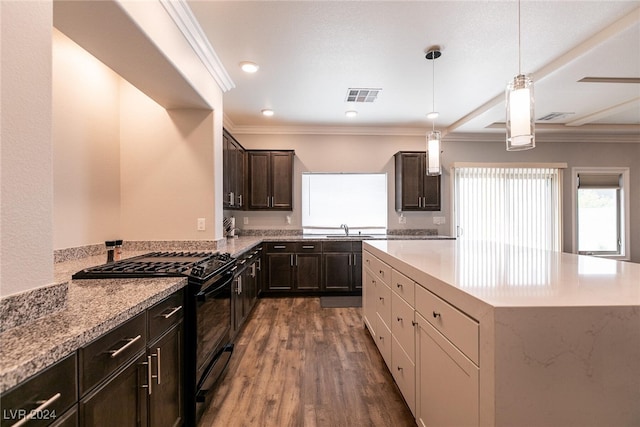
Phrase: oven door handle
[203,294]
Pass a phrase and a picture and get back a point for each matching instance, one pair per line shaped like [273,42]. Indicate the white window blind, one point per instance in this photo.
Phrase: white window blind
[358,200]
[513,205]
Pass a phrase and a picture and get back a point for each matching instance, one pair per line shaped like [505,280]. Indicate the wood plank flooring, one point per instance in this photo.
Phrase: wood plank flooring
[296,364]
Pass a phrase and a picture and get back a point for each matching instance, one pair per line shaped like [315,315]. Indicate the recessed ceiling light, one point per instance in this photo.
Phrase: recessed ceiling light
[249,67]
[267,112]
[433,115]
[351,113]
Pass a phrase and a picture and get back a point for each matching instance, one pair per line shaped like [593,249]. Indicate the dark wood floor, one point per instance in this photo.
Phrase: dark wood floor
[296,364]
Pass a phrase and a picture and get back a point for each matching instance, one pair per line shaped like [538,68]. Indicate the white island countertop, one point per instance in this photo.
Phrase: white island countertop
[558,334]
[509,276]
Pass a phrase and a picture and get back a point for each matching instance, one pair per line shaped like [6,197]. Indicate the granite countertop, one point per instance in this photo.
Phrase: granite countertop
[93,307]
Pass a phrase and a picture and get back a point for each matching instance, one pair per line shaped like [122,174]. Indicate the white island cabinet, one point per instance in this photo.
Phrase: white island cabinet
[495,335]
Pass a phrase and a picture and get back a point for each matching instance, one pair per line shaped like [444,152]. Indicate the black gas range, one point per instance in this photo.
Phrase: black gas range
[207,313]
[199,267]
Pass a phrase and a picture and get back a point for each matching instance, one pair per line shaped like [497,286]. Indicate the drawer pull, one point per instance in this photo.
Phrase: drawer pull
[308,246]
[381,273]
[279,247]
[414,323]
[173,311]
[436,315]
[116,353]
[399,285]
[381,298]
[399,368]
[38,410]
[399,319]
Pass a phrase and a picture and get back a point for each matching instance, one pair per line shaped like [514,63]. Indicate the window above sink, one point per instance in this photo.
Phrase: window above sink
[332,200]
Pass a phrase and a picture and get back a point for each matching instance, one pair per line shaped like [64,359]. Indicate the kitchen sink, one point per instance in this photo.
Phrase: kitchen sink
[351,236]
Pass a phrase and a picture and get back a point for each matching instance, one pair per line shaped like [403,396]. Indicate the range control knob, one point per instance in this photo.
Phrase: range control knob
[197,271]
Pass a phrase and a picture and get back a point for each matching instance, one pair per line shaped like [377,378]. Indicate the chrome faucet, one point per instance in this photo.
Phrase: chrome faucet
[346,228]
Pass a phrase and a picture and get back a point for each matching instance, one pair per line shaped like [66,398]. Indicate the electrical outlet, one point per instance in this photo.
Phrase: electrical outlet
[439,220]
[201,224]
[402,219]
[245,220]
[287,219]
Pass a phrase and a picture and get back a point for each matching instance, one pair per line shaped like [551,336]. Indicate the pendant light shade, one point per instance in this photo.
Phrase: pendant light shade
[520,121]
[520,114]
[433,153]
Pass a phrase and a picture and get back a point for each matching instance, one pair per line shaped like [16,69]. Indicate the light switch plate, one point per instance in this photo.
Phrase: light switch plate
[439,220]
[201,224]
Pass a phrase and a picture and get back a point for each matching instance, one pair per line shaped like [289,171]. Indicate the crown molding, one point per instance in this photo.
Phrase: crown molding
[557,134]
[325,130]
[188,25]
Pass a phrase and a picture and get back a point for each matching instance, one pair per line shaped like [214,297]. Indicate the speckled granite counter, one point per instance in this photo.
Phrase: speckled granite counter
[93,307]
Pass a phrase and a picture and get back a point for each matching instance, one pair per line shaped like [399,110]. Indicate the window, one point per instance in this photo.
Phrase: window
[600,200]
[331,199]
[517,205]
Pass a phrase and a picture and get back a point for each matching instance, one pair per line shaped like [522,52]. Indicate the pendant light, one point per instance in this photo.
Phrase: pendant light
[434,138]
[520,121]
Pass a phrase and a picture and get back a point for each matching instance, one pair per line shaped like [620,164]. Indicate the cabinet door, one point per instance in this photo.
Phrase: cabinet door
[369,298]
[165,401]
[121,401]
[308,271]
[356,265]
[279,271]
[227,170]
[259,180]
[447,382]
[409,181]
[431,191]
[337,271]
[282,180]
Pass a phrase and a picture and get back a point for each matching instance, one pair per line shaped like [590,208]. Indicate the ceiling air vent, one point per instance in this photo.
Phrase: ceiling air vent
[553,116]
[362,94]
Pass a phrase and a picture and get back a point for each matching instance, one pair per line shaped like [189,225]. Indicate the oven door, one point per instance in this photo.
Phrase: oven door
[213,318]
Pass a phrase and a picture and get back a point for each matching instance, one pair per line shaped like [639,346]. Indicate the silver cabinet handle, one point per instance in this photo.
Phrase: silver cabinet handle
[38,410]
[291,260]
[173,311]
[232,198]
[273,203]
[240,200]
[149,375]
[239,285]
[308,246]
[116,353]
[279,247]
[158,368]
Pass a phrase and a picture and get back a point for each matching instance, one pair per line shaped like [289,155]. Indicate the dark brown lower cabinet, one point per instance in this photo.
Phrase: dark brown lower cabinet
[342,266]
[165,397]
[120,401]
[293,266]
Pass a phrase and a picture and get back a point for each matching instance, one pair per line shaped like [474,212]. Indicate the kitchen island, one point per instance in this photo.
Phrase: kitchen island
[506,336]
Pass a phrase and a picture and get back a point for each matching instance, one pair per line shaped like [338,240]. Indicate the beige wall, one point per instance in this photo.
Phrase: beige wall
[335,153]
[167,165]
[86,147]
[26,190]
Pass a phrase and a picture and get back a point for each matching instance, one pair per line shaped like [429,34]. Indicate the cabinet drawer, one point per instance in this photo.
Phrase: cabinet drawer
[57,385]
[402,324]
[280,247]
[383,303]
[379,268]
[383,341]
[311,247]
[336,246]
[459,328]
[403,370]
[104,355]
[165,314]
[403,286]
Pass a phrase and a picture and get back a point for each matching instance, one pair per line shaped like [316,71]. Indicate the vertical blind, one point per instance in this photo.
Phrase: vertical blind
[513,205]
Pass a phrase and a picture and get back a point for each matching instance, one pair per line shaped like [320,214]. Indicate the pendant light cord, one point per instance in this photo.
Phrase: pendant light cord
[433,89]
[519,42]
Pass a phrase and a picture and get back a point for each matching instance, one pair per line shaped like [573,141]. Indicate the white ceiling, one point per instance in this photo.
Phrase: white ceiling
[311,52]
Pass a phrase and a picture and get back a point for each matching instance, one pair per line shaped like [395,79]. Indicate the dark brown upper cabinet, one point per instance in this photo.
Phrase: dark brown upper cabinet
[270,179]
[415,190]
[233,182]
